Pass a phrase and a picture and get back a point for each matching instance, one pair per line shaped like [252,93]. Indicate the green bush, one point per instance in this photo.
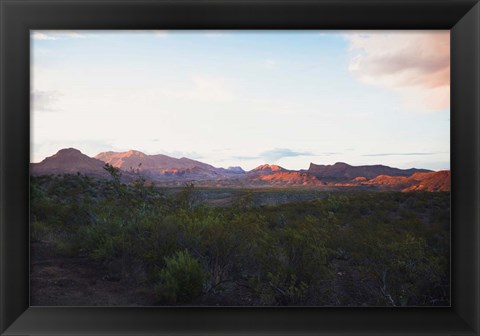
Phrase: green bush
[181,280]
[352,248]
[41,230]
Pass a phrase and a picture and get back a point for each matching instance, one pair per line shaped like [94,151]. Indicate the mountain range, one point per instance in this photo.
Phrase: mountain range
[69,161]
[341,170]
[169,171]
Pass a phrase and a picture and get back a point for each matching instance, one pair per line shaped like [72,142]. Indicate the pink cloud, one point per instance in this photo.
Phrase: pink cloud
[415,64]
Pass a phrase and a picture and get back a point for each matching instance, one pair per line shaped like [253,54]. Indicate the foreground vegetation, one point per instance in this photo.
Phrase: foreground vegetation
[341,249]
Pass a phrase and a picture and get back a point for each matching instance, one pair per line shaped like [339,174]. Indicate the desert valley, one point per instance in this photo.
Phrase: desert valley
[126,228]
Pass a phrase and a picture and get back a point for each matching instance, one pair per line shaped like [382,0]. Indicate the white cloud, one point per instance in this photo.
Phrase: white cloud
[270,63]
[211,89]
[200,88]
[72,34]
[414,64]
[213,33]
[42,36]
[57,35]
[43,101]
[160,33]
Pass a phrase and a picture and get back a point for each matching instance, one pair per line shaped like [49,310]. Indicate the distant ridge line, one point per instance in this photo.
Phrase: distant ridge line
[171,171]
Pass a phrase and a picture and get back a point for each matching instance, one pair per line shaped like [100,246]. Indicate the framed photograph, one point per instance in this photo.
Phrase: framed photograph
[227,167]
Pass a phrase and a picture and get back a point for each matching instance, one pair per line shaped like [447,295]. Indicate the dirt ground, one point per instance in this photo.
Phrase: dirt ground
[57,280]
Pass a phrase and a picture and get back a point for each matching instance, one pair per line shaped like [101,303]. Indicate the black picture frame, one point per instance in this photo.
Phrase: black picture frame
[17,17]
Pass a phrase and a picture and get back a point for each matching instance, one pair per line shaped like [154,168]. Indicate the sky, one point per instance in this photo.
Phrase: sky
[245,98]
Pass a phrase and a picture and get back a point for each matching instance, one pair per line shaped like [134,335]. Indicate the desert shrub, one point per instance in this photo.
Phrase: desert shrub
[295,268]
[282,289]
[62,242]
[65,245]
[187,198]
[401,264]
[181,280]
[41,231]
[394,247]
[229,246]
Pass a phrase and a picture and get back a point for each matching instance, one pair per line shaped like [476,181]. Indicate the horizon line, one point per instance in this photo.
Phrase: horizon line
[269,164]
